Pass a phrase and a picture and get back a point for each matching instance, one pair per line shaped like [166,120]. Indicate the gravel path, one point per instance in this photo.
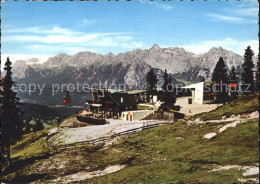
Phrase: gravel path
[72,135]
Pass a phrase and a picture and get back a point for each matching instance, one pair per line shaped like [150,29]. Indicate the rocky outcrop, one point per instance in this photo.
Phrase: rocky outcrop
[176,60]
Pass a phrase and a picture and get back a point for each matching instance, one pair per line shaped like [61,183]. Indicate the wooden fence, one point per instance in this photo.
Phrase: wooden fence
[107,138]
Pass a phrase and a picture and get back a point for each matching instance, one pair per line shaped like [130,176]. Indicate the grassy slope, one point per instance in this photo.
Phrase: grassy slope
[188,159]
[32,144]
[179,160]
[142,107]
[244,104]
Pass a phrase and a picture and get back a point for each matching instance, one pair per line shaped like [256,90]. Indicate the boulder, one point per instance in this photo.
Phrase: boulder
[197,119]
[233,124]
[238,117]
[251,171]
[245,116]
[232,116]
[210,135]
[254,114]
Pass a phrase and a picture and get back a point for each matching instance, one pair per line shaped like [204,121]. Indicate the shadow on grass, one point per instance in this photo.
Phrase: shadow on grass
[25,178]
[18,164]
[128,161]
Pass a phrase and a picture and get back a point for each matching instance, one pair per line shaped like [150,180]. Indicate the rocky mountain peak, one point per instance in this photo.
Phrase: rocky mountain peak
[176,60]
[155,47]
[32,61]
[61,55]
[216,49]
[110,54]
[128,68]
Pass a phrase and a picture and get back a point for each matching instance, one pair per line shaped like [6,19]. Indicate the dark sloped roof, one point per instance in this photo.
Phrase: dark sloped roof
[127,99]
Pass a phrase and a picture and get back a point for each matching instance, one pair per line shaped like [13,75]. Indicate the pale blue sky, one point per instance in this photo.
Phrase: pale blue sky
[43,29]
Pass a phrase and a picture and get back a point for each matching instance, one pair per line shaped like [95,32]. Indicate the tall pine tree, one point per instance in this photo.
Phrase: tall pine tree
[151,84]
[257,74]
[166,81]
[220,76]
[38,125]
[11,125]
[248,74]
[1,106]
[220,72]
[233,82]
[27,127]
[168,97]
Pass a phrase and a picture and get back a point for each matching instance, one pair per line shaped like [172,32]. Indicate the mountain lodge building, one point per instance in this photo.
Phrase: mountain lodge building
[115,103]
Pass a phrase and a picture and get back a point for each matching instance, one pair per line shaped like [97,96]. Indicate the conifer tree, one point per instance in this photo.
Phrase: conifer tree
[38,126]
[166,81]
[151,84]
[168,96]
[232,77]
[220,72]
[233,81]
[11,125]
[257,75]
[220,76]
[2,150]
[27,127]
[248,74]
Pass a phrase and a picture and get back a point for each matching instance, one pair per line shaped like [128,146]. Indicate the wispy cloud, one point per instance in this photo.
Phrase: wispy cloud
[68,49]
[58,39]
[91,39]
[231,19]
[161,5]
[225,18]
[53,39]
[245,12]
[248,3]
[87,22]
[15,57]
[253,11]
[228,43]
[41,30]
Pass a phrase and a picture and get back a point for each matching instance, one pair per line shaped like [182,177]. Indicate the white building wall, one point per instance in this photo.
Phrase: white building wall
[136,115]
[155,98]
[199,87]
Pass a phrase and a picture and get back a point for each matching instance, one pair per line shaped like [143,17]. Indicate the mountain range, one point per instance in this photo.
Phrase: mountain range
[128,68]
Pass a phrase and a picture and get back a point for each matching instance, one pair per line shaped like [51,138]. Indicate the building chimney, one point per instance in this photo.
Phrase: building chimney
[122,100]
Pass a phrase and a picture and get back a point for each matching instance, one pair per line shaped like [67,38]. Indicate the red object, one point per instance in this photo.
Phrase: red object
[233,85]
[66,101]
[213,93]
[66,98]
[108,102]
